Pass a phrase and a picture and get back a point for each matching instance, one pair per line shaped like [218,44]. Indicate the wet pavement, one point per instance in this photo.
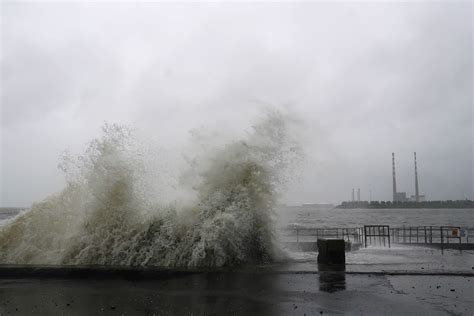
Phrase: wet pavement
[241,293]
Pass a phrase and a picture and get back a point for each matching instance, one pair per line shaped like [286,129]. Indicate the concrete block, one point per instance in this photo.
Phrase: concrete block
[331,251]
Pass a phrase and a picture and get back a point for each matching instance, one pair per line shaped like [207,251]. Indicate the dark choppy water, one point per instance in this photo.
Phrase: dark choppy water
[359,217]
[7,212]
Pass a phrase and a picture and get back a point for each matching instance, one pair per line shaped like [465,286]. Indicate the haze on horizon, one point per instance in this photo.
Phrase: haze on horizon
[363,80]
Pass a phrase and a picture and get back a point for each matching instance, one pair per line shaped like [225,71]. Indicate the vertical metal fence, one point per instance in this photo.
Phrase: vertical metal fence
[383,235]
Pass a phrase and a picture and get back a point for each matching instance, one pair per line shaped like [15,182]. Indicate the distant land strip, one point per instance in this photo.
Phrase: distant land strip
[407,204]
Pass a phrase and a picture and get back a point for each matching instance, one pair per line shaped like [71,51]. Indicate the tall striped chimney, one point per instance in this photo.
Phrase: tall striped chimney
[394,179]
[417,193]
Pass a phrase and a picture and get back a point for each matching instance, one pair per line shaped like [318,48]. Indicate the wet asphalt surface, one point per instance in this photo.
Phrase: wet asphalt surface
[241,293]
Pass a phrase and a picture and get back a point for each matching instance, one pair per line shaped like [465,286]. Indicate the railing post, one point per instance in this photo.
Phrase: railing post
[441,236]
[425,233]
[297,236]
[388,236]
[416,234]
[380,233]
[371,233]
[365,238]
[383,230]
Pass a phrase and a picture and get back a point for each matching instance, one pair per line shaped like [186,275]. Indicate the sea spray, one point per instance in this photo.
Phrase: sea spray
[103,216]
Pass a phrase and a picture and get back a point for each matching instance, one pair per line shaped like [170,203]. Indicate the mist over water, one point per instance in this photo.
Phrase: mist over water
[108,214]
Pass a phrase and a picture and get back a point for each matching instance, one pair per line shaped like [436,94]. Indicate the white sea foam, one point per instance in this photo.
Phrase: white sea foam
[106,215]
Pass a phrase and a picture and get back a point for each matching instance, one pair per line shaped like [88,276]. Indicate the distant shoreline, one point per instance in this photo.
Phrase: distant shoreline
[448,204]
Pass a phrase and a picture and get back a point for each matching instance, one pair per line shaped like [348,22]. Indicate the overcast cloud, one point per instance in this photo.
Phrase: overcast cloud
[366,79]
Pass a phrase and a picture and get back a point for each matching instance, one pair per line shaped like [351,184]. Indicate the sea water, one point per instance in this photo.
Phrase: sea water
[349,218]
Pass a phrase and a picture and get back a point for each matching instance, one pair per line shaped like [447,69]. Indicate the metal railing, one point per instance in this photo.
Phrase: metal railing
[384,235]
[374,233]
[427,235]
[354,234]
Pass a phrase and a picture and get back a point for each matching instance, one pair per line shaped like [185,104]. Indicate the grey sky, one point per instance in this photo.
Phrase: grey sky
[365,78]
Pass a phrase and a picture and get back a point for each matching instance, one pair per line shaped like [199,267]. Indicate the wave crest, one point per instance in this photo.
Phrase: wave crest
[103,216]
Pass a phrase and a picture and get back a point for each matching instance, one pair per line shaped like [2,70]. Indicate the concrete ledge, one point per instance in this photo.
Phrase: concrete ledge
[89,272]
[106,272]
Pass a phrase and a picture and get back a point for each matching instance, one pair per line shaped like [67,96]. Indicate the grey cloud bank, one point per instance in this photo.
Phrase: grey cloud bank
[364,79]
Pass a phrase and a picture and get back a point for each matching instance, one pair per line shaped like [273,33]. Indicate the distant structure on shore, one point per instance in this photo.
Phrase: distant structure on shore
[402,196]
[400,199]
[358,195]
[417,193]
[407,204]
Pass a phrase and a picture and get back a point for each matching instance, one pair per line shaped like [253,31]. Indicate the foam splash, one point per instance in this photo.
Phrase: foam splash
[103,216]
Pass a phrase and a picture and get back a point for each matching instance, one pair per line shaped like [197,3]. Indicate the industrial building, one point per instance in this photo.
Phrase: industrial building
[402,196]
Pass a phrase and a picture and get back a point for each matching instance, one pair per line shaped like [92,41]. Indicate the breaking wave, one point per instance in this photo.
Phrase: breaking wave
[105,215]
